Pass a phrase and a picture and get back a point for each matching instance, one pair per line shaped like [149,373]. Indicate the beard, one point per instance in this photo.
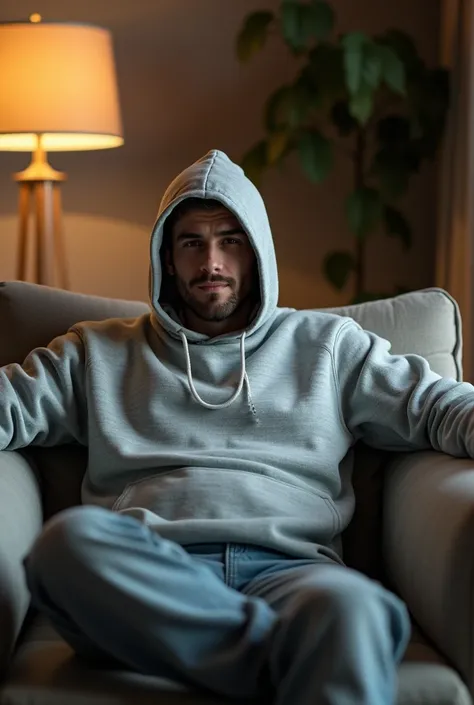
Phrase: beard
[212,309]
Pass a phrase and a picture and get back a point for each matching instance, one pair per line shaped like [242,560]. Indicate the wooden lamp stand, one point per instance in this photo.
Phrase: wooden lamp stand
[40,196]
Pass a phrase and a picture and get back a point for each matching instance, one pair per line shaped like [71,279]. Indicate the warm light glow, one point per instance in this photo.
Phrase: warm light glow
[35,17]
[57,80]
[58,142]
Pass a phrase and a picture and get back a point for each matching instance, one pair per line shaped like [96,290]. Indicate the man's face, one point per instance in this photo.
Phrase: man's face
[213,263]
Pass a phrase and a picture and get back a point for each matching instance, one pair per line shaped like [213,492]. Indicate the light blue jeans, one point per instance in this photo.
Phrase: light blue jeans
[236,620]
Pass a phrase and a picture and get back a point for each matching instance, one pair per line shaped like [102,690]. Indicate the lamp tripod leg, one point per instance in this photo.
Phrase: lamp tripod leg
[59,239]
[44,233]
[24,208]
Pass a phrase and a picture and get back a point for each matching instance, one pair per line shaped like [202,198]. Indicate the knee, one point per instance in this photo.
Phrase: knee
[67,539]
[352,598]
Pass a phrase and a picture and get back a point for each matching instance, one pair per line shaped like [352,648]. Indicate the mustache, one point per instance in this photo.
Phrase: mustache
[211,280]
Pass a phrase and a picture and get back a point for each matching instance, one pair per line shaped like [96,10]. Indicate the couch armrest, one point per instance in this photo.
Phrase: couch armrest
[429,548]
[21,519]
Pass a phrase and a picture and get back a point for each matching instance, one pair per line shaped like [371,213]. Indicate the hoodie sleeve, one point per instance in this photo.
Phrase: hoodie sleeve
[42,401]
[396,402]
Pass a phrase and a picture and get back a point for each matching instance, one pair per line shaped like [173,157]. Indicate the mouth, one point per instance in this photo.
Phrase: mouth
[213,286]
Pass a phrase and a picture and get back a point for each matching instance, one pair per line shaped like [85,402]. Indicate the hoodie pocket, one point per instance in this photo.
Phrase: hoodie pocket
[230,495]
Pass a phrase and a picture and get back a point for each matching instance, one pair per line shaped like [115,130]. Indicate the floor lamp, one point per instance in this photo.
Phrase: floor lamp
[58,92]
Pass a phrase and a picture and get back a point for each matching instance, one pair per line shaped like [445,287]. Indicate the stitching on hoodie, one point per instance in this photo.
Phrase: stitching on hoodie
[306,490]
[336,378]
[336,523]
[209,171]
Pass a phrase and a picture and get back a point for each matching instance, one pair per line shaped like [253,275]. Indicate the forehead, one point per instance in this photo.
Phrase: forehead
[198,217]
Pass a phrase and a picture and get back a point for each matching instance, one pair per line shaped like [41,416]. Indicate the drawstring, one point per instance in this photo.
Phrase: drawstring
[243,379]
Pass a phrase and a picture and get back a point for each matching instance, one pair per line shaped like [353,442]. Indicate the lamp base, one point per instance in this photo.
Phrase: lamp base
[40,195]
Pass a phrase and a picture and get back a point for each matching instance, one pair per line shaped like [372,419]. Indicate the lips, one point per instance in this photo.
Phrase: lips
[212,287]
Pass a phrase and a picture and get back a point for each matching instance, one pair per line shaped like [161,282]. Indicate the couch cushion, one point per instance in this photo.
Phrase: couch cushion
[46,672]
[425,322]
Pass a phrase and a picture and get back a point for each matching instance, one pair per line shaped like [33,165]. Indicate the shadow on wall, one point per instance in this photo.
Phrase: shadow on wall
[105,256]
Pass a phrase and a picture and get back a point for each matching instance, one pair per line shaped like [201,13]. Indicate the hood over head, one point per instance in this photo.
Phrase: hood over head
[216,177]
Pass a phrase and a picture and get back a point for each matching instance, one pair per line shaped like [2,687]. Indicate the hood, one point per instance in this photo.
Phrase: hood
[215,176]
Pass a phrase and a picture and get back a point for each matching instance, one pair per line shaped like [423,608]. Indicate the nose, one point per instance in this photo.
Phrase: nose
[212,259]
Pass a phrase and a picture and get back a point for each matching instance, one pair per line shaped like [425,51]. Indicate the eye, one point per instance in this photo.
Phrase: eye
[232,241]
[191,243]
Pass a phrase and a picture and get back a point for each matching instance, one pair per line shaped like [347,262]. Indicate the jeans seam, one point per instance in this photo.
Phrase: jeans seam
[228,564]
[233,564]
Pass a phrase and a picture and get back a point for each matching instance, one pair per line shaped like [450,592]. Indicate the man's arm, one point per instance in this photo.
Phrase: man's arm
[396,402]
[43,401]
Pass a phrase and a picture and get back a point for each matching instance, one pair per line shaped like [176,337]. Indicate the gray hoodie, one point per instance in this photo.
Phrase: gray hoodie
[245,437]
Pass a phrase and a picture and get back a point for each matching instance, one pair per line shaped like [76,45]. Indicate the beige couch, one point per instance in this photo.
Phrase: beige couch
[413,528]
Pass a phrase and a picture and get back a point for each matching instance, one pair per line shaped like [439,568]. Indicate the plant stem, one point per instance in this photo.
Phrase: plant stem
[359,183]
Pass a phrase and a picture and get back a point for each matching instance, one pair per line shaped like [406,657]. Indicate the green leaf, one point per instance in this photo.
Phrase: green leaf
[302,21]
[337,267]
[277,108]
[291,23]
[405,48]
[393,70]
[342,119]
[371,65]
[254,162]
[364,211]
[396,225]
[322,19]
[288,106]
[316,155]
[353,45]
[361,105]
[253,34]
[277,146]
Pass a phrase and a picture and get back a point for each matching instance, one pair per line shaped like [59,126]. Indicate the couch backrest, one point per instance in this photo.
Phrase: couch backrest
[425,322]
[32,315]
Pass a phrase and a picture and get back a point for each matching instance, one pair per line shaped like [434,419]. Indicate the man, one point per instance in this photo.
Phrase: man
[216,427]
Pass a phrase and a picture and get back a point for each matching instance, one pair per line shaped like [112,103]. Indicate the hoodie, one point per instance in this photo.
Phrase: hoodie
[245,437]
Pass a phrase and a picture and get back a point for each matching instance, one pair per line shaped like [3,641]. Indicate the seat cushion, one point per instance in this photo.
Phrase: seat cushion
[46,672]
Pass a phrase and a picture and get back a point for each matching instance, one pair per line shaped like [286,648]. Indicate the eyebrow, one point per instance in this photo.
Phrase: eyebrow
[221,233]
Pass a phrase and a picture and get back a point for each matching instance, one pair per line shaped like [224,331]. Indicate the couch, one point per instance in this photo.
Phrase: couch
[413,527]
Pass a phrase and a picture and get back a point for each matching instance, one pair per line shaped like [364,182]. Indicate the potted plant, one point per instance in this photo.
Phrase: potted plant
[373,96]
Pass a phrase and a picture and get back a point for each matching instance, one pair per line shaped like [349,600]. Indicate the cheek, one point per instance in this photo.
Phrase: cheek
[183,268]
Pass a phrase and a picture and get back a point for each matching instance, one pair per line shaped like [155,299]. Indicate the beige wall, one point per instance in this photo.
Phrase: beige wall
[182,93]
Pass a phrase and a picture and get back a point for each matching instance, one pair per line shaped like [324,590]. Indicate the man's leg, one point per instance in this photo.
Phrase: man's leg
[339,636]
[113,587]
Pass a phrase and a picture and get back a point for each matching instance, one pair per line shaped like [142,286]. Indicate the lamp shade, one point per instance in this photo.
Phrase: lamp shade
[57,80]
